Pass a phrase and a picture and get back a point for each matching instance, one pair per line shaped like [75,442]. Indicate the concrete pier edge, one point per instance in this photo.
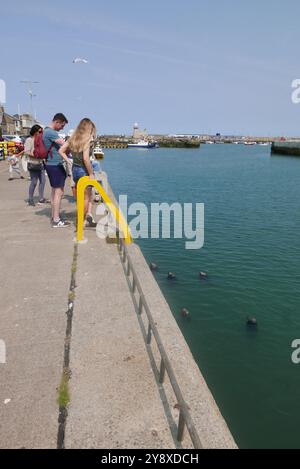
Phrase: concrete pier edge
[115,399]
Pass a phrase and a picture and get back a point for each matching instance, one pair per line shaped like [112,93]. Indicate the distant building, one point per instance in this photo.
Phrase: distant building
[183,136]
[27,121]
[137,133]
[16,124]
[7,122]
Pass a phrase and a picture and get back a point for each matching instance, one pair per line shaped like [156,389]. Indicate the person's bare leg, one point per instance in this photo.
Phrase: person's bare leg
[90,203]
[87,201]
[58,193]
[52,202]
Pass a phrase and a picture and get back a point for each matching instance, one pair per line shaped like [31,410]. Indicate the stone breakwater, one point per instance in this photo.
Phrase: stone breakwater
[286,148]
[119,141]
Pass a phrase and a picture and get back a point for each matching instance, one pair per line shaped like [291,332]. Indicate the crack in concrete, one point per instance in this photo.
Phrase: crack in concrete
[66,373]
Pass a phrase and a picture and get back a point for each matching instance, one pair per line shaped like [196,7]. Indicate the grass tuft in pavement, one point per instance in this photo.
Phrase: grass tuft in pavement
[63,392]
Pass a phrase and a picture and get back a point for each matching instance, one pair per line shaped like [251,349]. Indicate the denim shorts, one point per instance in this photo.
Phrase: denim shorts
[78,172]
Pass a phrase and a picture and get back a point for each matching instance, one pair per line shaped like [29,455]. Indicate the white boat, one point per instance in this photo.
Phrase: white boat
[209,142]
[142,144]
[249,143]
[264,144]
[98,153]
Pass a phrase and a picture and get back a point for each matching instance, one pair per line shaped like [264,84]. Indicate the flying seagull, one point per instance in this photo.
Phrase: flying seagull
[78,60]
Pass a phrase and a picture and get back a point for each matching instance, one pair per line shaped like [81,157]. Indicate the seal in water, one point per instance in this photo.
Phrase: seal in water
[203,275]
[251,321]
[171,276]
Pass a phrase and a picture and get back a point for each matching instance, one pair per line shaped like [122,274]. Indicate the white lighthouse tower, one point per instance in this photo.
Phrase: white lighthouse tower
[137,133]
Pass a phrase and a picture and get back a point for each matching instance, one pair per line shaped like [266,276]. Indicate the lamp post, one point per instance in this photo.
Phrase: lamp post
[29,84]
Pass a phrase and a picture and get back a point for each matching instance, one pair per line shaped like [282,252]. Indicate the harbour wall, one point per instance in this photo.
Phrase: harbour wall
[286,148]
[119,141]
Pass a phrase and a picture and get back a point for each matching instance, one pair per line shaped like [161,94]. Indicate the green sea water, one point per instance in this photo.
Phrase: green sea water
[252,257]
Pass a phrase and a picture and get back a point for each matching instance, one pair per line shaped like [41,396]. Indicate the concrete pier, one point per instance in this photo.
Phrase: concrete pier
[286,148]
[163,141]
[115,398]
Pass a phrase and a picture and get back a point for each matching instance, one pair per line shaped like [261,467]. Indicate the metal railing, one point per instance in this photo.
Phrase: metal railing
[185,419]
[82,184]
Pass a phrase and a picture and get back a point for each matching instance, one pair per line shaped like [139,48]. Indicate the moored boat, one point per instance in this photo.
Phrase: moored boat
[143,144]
[98,153]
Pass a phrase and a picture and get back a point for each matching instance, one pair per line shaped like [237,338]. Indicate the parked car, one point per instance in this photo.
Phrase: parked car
[12,138]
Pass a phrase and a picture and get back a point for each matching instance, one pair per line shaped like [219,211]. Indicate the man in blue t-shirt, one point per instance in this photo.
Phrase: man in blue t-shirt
[54,166]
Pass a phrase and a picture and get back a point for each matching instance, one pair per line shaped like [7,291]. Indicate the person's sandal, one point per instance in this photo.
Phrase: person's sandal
[91,222]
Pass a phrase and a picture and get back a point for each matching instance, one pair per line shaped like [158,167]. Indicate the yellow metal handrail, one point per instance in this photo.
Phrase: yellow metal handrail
[82,184]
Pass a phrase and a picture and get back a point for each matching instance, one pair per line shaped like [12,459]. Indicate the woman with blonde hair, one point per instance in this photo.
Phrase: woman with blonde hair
[80,146]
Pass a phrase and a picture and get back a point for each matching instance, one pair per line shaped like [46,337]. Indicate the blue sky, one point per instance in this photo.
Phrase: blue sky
[199,66]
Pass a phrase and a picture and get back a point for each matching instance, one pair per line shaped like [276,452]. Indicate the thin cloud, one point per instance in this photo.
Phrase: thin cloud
[103,24]
[148,55]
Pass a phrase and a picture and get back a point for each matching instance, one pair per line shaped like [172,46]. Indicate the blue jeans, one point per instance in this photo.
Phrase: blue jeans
[78,172]
[36,176]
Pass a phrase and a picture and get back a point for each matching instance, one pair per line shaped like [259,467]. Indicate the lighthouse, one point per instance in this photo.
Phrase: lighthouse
[137,133]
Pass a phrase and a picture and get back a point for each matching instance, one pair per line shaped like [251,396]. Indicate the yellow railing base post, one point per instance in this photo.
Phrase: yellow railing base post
[81,186]
[82,241]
